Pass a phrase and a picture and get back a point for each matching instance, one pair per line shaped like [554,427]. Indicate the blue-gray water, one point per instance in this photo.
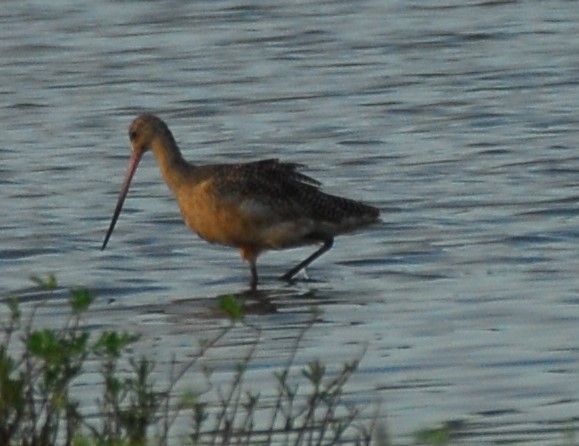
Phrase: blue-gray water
[457,118]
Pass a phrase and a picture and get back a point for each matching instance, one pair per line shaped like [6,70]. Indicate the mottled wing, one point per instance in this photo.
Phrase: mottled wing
[269,188]
[274,166]
[280,191]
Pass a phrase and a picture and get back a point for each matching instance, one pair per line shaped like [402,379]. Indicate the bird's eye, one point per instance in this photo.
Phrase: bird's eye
[132,134]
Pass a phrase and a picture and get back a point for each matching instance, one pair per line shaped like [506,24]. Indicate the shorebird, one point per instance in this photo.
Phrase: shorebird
[255,206]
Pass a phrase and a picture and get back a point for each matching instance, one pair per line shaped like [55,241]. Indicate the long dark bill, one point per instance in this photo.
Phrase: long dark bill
[133,163]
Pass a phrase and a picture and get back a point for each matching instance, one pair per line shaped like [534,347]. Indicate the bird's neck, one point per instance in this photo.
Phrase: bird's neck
[173,166]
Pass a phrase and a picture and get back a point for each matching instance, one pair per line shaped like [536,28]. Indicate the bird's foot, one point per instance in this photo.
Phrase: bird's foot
[290,276]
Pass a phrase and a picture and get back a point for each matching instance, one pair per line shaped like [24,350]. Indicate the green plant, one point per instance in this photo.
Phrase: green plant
[439,435]
[35,387]
[308,406]
[38,367]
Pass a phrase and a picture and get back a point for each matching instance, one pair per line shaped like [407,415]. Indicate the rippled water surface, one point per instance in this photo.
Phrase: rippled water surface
[457,118]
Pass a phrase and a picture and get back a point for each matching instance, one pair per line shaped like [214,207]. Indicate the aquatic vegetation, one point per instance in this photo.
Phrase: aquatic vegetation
[40,366]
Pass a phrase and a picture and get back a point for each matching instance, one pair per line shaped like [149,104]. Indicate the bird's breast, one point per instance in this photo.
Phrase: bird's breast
[237,221]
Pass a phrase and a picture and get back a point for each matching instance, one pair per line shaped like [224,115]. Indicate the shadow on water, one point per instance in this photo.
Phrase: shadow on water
[261,302]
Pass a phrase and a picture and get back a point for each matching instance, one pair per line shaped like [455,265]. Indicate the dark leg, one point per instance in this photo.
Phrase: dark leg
[328,243]
[253,269]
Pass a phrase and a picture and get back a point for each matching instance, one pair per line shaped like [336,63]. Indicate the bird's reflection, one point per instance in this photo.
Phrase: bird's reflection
[251,302]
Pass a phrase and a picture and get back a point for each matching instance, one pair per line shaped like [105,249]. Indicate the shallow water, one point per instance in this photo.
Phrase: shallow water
[458,119]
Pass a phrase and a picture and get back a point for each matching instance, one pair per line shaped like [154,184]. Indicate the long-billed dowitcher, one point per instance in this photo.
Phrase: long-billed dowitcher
[255,206]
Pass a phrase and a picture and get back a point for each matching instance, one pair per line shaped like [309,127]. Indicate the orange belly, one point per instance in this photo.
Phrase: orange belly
[238,221]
